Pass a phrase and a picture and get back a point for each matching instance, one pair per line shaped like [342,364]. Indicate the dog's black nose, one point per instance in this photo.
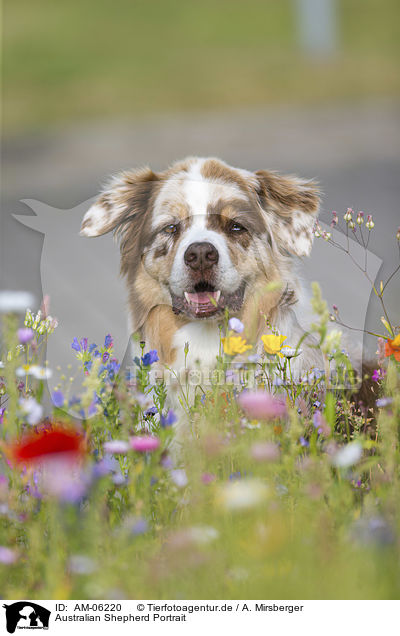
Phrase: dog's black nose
[201,256]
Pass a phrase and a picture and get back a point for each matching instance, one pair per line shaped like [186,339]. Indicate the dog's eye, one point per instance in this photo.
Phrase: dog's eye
[236,228]
[171,229]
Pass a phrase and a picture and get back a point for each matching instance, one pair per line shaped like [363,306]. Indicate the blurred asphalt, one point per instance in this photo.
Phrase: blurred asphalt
[352,150]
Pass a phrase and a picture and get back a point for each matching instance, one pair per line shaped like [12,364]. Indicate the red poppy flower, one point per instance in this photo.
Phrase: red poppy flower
[37,446]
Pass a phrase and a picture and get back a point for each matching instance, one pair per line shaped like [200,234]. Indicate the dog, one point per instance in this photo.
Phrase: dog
[201,239]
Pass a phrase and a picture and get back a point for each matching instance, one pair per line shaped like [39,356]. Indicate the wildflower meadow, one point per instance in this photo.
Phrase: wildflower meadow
[255,484]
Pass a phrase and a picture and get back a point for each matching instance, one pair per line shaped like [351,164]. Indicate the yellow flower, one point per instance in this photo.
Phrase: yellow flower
[235,344]
[273,344]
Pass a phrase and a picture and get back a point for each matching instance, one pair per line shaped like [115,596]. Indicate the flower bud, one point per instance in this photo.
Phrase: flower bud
[28,322]
[369,224]
[360,218]
[317,230]
[348,216]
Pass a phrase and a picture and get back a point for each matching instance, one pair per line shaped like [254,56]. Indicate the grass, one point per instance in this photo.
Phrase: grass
[78,61]
[298,500]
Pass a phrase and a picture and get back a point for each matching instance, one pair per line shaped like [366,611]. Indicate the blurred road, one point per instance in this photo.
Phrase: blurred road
[352,150]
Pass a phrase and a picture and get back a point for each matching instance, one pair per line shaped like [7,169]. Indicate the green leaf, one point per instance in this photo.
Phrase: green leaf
[330,409]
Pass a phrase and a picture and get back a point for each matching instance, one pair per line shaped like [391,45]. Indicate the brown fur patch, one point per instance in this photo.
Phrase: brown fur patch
[287,193]
[216,170]
[159,329]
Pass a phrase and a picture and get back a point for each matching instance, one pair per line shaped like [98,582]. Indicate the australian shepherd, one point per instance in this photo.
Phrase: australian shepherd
[201,238]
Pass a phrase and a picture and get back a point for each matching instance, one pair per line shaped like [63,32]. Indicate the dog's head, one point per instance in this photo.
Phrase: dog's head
[199,235]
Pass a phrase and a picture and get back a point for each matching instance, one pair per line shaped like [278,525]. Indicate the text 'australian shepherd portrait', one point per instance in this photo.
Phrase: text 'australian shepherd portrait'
[203,240]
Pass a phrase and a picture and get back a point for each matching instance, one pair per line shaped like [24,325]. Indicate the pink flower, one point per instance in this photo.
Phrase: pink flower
[208,478]
[7,555]
[265,452]
[262,405]
[145,443]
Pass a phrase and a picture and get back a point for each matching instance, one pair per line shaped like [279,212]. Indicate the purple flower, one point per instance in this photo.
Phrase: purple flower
[382,402]
[378,374]
[25,335]
[317,421]
[150,357]
[321,424]
[169,419]
[104,467]
[75,345]
[236,325]
[151,411]
[2,411]
[58,399]
[112,368]
[92,347]
[7,555]
[105,357]
[304,442]
[108,342]
[139,526]
[84,342]
[92,409]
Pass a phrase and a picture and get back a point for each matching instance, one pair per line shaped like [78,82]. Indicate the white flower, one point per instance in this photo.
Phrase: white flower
[116,446]
[179,477]
[348,455]
[291,352]
[81,564]
[236,325]
[40,373]
[15,301]
[1,365]
[242,494]
[203,534]
[32,410]
[21,372]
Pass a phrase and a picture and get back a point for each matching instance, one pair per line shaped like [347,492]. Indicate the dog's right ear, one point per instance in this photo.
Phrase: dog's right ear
[126,196]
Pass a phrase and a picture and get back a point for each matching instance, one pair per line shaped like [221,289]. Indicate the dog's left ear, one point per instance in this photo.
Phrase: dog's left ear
[290,206]
[125,197]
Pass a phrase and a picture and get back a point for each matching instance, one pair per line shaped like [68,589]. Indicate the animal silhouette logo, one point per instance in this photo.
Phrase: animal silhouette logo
[26,615]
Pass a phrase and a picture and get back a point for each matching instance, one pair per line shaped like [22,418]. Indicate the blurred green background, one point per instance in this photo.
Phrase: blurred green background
[79,60]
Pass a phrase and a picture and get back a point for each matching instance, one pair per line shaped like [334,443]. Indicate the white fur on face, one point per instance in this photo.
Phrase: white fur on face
[199,194]
[95,219]
[298,238]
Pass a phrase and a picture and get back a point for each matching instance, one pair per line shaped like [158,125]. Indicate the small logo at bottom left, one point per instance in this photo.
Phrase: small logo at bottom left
[26,615]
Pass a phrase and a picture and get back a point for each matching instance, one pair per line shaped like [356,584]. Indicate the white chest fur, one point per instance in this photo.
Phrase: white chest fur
[204,342]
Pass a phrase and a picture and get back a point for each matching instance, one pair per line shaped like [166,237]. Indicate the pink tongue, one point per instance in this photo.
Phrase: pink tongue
[202,298]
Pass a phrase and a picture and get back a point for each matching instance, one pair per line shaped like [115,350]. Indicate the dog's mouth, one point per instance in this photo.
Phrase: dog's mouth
[206,301]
